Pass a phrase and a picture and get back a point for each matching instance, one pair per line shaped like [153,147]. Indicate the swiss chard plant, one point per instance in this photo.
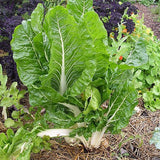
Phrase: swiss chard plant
[62,58]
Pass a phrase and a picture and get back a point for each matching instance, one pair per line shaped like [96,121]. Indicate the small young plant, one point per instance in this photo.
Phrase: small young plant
[18,146]
[9,96]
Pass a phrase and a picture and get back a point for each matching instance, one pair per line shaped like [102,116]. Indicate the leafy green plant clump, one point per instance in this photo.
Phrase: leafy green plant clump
[156,10]
[141,49]
[147,76]
[9,96]
[148,2]
[62,58]
[20,144]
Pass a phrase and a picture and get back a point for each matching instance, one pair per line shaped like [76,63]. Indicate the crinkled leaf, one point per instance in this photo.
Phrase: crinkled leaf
[84,80]
[123,98]
[37,18]
[78,8]
[60,116]
[99,36]
[25,155]
[66,62]
[123,103]
[93,99]
[28,60]
[139,55]
[116,77]
[44,95]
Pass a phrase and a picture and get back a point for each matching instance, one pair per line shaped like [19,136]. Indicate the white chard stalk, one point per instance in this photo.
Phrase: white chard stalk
[93,142]
[4,113]
[55,132]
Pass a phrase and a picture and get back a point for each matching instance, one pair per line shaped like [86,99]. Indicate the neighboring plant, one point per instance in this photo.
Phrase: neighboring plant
[12,12]
[148,2]
[140,46]
[20,144]
[156,138]
[62,58]
[124,50]
[156,10]
[9,96]
[131,1]
[147,77]
[111,12]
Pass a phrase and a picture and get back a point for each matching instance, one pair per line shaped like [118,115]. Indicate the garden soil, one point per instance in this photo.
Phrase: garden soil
[150,20]
[131,144]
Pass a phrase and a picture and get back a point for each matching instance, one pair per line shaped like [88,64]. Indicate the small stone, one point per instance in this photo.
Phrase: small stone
[123,151]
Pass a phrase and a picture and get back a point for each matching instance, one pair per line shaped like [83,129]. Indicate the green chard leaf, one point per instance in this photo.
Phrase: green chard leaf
[93,99]
[78,8]
[99,36]
[139,55]
[123,98]
[31,48]
[55,58]
[65,62]
[29,65]
[121,108]
[37,18]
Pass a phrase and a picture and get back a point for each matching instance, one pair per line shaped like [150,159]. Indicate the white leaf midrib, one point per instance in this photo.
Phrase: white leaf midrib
[63,84]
